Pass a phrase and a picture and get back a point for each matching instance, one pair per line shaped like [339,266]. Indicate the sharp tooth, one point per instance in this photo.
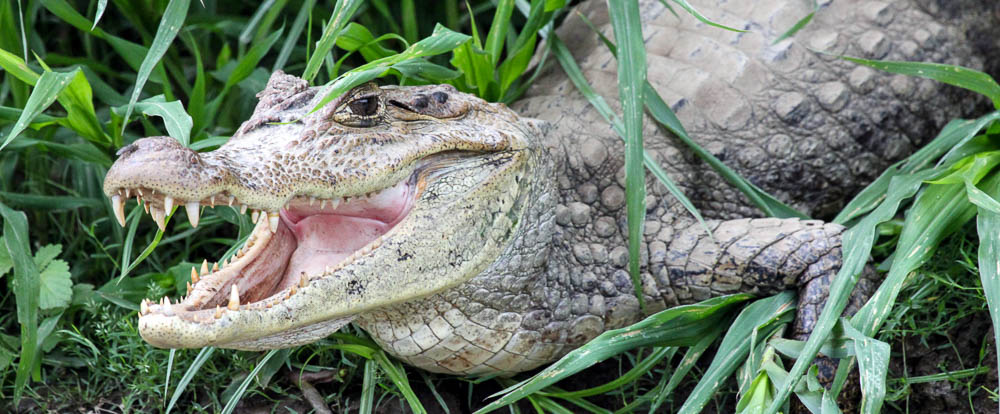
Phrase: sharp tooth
[145,206]
[144,307]
[158,217]
[128,192]
[168,203]
[211,200]
[328,270]
[193,212]
[336,202]
[292,290]
[140,192]
[225,262]
[188,288]
[303,281]
[194,275]
[234,299]
[119,207]
[255,215]
[311,201]
[272,219]
[322,204]
[152,192]
[231,199]
[218,312]
[215,267]
[204,267]
[243,208]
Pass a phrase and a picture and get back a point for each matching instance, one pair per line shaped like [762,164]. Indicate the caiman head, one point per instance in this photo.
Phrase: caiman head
[384,195]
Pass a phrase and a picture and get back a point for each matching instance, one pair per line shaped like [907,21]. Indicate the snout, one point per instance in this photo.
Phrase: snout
[163,164]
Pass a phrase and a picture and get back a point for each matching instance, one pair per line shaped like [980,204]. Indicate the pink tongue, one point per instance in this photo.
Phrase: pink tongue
[326,239]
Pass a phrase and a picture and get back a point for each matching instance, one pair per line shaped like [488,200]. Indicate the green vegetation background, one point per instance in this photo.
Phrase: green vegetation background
[83,78]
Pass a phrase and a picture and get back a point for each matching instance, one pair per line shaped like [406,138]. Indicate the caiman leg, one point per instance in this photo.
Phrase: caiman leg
[761,256]
[477,328]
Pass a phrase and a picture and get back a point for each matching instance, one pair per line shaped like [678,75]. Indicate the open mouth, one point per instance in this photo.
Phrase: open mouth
[307,239]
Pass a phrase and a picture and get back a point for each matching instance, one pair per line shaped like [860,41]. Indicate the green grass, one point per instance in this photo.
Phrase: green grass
[97,75]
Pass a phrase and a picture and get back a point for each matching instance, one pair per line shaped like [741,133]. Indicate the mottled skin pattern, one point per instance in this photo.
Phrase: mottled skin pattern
[808,128]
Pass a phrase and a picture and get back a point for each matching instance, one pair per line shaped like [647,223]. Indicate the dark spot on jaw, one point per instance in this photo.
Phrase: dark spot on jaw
[440,97]
[355,287]
[404,257]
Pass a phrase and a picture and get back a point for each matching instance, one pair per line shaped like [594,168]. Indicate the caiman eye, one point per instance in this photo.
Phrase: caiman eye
[366,106]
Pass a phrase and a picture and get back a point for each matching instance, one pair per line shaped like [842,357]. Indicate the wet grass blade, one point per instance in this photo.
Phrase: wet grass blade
[638,370]
[758,320]
[631,78]
[343,12]
[26,292]
[679,326]
[199,360]
[46,90]
[947,141]
[857,242]
[873,362]
[170,24]
[238,395]
[965,78]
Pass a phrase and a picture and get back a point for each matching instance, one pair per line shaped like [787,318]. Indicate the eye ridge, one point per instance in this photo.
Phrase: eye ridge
[365,106]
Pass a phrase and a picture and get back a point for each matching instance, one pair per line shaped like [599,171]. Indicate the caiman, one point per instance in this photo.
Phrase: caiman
[467,237]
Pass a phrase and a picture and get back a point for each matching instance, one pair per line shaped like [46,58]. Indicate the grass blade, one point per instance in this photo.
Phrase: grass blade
[238,395]
[398,377]
[989,264]
[798,25]
[368,385]
[662,113]
[965,78]
[199,360]
[857,242]
[873,361]
[498,30]
[175,118]
[343,12]
[441,41]
[679,326]
[759,319]
[947,141]
[46,90]
[631,80]
[293,35]
[26,292]
[692,11]
[170,24]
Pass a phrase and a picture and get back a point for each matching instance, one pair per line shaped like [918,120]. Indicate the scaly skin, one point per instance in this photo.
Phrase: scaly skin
[516,252]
